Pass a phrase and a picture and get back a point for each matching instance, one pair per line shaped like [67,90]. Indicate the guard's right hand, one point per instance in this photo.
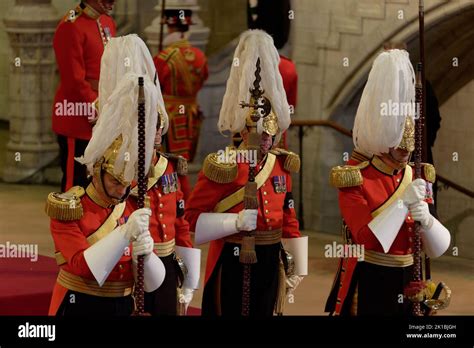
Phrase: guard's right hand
[247,220]
[137,223]
[414,192]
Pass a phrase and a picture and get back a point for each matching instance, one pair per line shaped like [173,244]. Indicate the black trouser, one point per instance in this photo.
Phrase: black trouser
[163,301]
[79,304]
[263,284]
[74,173]
[380,289]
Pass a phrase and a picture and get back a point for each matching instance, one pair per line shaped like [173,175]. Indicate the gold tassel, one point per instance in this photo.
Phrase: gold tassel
[180,306]
[250,195]
[247,251]
[281,293]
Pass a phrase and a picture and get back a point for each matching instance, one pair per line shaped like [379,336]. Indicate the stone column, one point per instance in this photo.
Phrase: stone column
[199,34]
[30,26]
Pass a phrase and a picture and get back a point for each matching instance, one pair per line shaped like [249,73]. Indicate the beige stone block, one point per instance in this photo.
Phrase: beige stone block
[370,9]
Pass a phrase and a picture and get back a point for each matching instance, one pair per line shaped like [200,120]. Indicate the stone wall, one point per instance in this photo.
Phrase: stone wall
[454,158]
[334,45]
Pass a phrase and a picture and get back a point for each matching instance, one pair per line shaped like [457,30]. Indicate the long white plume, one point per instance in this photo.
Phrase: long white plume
[120,117]
[391,85]
[252,45]
[122,55]
[125,59]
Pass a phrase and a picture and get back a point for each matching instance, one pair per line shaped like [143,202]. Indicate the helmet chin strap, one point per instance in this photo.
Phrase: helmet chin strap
[398,164]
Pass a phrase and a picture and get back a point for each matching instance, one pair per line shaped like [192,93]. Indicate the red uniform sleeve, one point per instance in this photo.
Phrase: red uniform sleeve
[290,80]
[357,215]
[71,242]
[68,48]
[291,227]
[163,72]
[203,199]
[183,238]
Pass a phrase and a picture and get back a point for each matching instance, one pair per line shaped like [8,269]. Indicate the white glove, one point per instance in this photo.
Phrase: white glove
[247,220]
[414,192]
[186,297]
[292,283]
[137,223]
[143,245]
[420,212]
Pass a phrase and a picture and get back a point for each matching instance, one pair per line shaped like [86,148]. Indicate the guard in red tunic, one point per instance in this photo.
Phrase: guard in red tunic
[97,242]
[379,202]
[78,44]
[170,232]
[182,70]
[273,16]
[216,207]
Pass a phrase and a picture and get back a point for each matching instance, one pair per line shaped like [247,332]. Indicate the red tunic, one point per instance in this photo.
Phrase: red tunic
[78,46]
[271,212]
[357,205]
[290,83]
[290,79]
[182,70]
[70,238]
[167,218]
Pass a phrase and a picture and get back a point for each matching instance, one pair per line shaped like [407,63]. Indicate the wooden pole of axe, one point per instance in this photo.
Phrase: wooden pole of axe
[141,199]
[261,108]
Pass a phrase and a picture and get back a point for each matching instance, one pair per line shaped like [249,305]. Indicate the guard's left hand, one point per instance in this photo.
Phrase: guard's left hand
[420,212]
[292,283]
[143,245]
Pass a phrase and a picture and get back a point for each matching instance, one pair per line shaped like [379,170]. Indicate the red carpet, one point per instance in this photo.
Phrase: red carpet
[25,286]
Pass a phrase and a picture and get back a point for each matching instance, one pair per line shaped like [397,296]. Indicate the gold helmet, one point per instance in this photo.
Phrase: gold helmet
[408,140]
[106,164]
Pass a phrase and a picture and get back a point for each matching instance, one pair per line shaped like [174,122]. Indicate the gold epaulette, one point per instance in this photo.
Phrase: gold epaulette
[347,176]
[69,17]
[65,206]
[292,160]
[181,163]
[218,170]
[429,171]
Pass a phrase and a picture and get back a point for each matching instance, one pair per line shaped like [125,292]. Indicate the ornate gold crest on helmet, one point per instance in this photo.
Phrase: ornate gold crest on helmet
[408,140]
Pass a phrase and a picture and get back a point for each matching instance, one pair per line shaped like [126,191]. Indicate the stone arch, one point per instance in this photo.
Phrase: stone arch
[449,33]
